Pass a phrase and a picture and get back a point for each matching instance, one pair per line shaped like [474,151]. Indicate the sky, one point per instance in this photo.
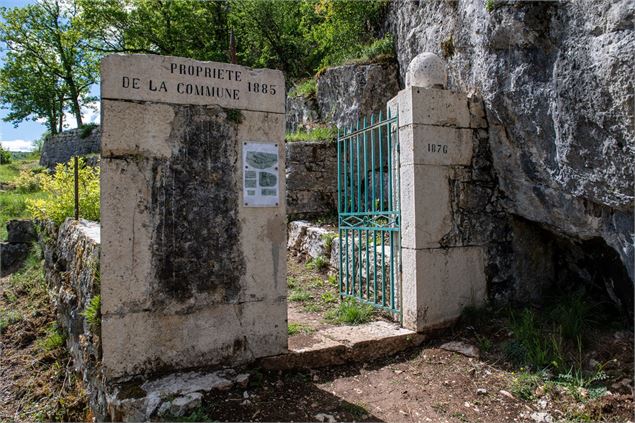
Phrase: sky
[21,138]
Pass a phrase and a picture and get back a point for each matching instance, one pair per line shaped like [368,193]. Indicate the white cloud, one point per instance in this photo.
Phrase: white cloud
[17,145]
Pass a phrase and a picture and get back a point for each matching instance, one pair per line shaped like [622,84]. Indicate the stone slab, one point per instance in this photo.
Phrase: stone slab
[134,343]
[346,344]
[167,79]
[435,145]
[425,205]
[432,106]
[440,284]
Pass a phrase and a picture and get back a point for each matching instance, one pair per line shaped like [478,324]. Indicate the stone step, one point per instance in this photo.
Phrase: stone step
[344,344]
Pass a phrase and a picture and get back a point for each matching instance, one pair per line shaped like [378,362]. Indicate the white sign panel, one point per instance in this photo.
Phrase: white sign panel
[261,185]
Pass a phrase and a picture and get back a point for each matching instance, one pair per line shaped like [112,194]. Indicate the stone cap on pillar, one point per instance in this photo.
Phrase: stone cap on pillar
[427,70]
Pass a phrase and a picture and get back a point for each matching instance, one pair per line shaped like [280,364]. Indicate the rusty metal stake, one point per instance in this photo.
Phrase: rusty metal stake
[76,188]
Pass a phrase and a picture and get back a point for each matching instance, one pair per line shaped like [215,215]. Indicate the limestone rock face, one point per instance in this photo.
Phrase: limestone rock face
[346,93]
[556,80]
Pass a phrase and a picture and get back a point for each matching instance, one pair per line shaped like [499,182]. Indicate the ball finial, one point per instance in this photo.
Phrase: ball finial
[427,70]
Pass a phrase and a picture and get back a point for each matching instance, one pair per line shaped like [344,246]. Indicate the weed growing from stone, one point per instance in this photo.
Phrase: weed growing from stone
[328,240]
[92,313]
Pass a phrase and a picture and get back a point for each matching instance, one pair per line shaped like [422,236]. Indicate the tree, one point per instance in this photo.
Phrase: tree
[275,34]
[187,28]
[30,92]
[45,36]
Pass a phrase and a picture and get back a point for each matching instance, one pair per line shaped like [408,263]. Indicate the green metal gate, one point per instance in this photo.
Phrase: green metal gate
[368,208]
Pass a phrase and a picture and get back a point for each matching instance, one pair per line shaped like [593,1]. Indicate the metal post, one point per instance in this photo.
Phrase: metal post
[75,162]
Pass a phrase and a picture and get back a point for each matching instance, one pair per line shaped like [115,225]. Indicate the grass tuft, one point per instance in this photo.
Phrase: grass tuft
[306,88]
[350,312]
[319,133]
[300,295]
[299,328]
[319,263]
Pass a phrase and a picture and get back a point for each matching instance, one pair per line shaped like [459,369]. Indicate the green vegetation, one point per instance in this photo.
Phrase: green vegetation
[328,240]
[5,156]
[47,70]
[53,339]
[300,295]
[350,312]
[296,328]
[53,48]
[319,133]
[546,344]
[292,282]
[19,185]
[9,318]
[329,298]
[320,263]
[306,88]
[490,5]
[92,313]
[60,202]
[553,339]
[381,50]
[86,129]
[332,280]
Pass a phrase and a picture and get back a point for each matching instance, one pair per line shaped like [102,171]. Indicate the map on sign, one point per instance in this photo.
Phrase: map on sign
[260,175]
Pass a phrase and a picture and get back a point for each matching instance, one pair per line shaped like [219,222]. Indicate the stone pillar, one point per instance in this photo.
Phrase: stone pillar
[440,277]
[193,221]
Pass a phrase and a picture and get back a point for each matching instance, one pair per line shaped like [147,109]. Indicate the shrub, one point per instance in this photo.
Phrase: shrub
[86,130]
[29,181]
[5,156]
[60,203]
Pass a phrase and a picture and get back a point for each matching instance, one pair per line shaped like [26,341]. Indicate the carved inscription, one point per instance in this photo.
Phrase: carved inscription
[437,148]
[185,81]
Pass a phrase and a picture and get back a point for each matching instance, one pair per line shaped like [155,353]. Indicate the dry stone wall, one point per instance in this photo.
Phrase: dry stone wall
[71,266]
[311,179]
[61,147]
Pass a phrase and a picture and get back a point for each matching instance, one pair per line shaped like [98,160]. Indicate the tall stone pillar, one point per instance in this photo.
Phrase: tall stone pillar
[440,277]
[193,221]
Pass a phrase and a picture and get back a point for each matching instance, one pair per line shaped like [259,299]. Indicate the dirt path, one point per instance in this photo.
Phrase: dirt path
[423,385]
